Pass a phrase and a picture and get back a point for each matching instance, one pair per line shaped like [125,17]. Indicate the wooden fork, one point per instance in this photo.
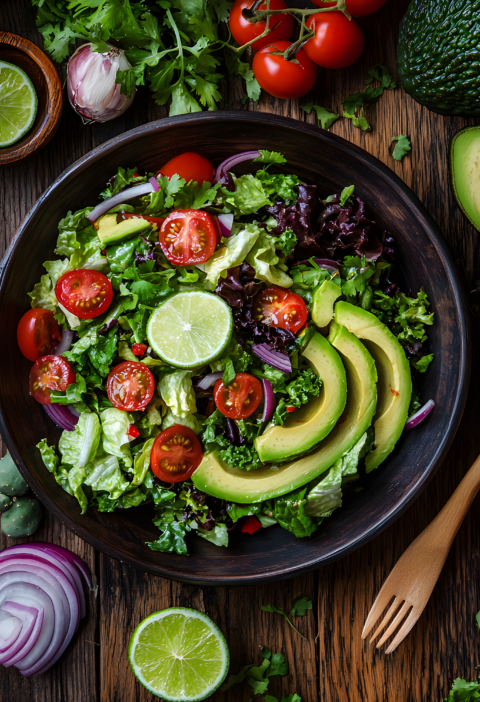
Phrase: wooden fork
[414,575]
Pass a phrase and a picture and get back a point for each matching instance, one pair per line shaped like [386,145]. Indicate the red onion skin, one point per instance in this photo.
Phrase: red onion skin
[66,342]
[225,228]
[63,418]
[233,161]
[264,352]
[68,555]
[209,380]
[419,415]
[118,199]
[270,401]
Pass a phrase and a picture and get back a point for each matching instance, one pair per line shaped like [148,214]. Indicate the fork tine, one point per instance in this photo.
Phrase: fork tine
[401,613]
[407,625]
[382,600]
[395,604]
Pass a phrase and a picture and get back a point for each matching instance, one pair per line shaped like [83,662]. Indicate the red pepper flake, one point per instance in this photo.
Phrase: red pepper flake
[133,431]
[139,349]
[291,409]
[394,392]
[249,525]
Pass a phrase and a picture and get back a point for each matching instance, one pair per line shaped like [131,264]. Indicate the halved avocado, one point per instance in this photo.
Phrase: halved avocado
[305,427]
[109,232]
[228,483]
[323,301]
[464,168]
[394,378]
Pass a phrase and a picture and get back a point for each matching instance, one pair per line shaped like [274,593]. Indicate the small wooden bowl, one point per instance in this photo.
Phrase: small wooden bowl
[46,82]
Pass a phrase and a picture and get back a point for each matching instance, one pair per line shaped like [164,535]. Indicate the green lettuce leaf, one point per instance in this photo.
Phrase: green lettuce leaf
[249,195]
[104,474]
[177,392]
[172,540]
[264,259]
[115,424]
[233,253]
[142,463]
[190,421]
[78,447]
[218,535]
[289,511]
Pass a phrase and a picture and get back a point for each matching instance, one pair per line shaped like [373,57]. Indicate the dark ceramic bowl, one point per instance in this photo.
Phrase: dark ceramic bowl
[422,259]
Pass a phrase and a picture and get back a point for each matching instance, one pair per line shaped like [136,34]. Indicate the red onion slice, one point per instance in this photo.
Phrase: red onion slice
[226,223]
[419,416]
[32,619]
[270,401]
[273,358]
[66,342]
[61,416]
[10,629]
[55,550]
[232,161]
[209,380]
[154,183]
[120,198]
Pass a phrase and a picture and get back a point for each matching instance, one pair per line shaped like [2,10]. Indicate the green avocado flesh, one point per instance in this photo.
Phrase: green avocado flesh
[323,301]
[394,378]
[109,232]
[439,55]
[228,483]
[305,427]
[465,172]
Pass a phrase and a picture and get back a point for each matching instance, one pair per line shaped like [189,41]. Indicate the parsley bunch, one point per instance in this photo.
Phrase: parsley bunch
[177,47]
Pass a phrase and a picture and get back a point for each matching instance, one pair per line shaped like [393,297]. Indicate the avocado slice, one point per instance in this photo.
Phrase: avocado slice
[394,378]
[228,483]
[311,423]
[109,232]
[464,169]
[324,298]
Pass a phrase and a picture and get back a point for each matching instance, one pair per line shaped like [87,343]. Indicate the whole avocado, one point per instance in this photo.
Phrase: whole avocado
[23,518]
[439,55]
[11,482]
[6,501]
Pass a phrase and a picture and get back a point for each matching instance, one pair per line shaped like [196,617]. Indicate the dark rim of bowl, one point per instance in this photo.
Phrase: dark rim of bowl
[427,222]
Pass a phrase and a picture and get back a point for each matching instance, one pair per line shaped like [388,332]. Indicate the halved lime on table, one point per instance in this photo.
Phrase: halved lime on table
[179,654]
[190,329]
[18,103]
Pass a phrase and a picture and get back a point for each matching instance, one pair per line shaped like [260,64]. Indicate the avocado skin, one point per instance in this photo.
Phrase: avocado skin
[457,192]
[439,55]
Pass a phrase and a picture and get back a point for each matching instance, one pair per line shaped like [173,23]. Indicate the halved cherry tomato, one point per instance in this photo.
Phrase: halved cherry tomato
[244,31]
[37,333]
[130,386]
[85,293]
[176,454]
[50,374]
[153,220]
[250,524]
[189,166]
[133,432]
[281,78]
[139,349]
[188,237]
[280,308]
[240,399]
[338,41]
[357,8]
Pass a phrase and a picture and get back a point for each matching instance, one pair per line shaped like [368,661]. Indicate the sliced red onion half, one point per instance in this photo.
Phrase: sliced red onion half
[273,358]
[154,183]
[62,416]
[209,380]
[40,587]
[419,416]
[326,263]
[120,198]
[269,400]
[66,342]
[232,161]
[226,223]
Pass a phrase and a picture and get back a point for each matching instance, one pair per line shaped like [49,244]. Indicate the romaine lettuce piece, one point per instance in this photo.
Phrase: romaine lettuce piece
[177,392]
[264,259]
[115,424]
[233,253]
[78,447]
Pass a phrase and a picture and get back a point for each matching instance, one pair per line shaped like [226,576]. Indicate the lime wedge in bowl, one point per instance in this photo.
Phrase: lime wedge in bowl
[190,329]
[18,103]
[179,654]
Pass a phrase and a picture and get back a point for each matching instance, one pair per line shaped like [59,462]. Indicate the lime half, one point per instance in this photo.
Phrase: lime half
[190,329]
[179,654]
[18,103]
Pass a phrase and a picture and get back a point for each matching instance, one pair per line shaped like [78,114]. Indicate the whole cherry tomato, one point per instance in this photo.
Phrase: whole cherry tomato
[176,454]
[338,41]
[241,398]
[130,386]
[50,374]
[189,166]
[244,31]
[84,293]
[188,237]
[280,308]
[357,8]
[281,78]
[37,333]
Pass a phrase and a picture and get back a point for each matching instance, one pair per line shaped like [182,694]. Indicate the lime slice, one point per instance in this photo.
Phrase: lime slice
[190,329]
[18,103]
[179,654]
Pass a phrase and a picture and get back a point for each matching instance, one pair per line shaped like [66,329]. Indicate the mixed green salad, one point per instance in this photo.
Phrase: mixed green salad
[230,349]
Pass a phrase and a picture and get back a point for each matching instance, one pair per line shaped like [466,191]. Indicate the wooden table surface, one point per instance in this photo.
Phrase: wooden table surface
[332,663]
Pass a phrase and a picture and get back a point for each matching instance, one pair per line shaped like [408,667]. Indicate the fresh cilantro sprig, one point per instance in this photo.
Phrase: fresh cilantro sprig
[258,677]
[402,147]
[354,105]
[324,117]
[300,606]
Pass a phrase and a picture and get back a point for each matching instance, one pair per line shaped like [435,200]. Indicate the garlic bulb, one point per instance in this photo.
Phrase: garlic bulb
[91,86]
